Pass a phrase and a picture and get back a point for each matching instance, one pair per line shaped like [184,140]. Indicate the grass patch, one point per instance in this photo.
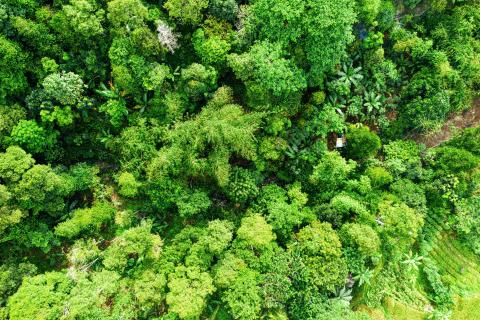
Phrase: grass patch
[399,311]
[466,308]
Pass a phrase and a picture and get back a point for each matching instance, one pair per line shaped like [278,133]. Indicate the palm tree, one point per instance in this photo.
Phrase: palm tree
[364,277]
[344,295]
[372,101]
[413,261]
[350,75]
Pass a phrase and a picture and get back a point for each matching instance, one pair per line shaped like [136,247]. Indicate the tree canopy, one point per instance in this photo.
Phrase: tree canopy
[239,159]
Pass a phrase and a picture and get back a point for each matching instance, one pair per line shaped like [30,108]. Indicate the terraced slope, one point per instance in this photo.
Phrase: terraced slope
[459,266]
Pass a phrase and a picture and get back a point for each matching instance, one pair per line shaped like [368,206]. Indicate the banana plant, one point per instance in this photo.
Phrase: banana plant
[413,261]
[344,295]
[364,277]
[350,75]
[372,101]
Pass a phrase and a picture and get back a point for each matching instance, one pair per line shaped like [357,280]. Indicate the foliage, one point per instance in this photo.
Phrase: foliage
[265,66]
[34,138]
[362,143]
[331,172]
[255,231]
[66,88]
[186,11]
[128,185]
[379,176]
[50,289]
[225,131]
[13,163]
[242,185]
[310,25]
[11,276]
[401,225]
[188,289]
[176,159]
[85,221]
[318,249]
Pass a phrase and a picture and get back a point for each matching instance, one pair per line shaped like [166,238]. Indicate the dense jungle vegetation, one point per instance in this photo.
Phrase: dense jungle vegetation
[178,159]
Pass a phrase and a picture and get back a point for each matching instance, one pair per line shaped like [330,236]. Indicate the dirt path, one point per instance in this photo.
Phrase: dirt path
[468,118]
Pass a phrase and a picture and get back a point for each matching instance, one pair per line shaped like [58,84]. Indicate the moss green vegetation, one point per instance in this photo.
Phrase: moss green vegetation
[238,160]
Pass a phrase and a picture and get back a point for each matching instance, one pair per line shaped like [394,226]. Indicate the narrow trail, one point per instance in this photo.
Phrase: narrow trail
[467,119]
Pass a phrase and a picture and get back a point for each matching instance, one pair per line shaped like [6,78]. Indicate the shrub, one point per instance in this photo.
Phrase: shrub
[362,143]
[469,140]
[191,204]
[128,185]
[85,220]
[242,185]
[454,160]
[28,134]
[379,177]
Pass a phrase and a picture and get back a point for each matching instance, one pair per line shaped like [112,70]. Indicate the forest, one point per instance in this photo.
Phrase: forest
[239,159]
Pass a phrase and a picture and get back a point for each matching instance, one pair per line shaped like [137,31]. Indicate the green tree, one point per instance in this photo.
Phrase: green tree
[46,295]
[13,163]
[188,12]
[330,173]
[116,111]
[362,143]
[211,50]
[31,136]
[242,185]
[87,220]
[9,215]
[223,9]
[134,246]
[401,225]
[265,65]
[203,145]
[10,115]
[128,185]
[192,203]
[12,68]
[243,297]
[189,289]
[360,237]
[198,81]
[317,250]
[11,275]
[42,190]
[379,176]
[127,15]
[85,18]
[255,231]
[467,222]
[66,88]
[322,29]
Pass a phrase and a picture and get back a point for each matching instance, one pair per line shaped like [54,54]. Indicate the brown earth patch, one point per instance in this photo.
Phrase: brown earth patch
[466,119]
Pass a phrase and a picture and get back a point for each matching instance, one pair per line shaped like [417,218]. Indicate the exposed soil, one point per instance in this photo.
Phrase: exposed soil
[467,119]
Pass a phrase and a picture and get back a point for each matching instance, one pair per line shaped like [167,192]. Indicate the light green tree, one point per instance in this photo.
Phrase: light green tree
[321,28]
[203,145]
[188,12]
[265,65]
[189,289]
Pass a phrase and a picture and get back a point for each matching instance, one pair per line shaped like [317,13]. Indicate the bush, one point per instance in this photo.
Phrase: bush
[454,160]
[128,185]
[362,143]
[242,185]
[469,140]
[85,220]
[379,177]
[31,136]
